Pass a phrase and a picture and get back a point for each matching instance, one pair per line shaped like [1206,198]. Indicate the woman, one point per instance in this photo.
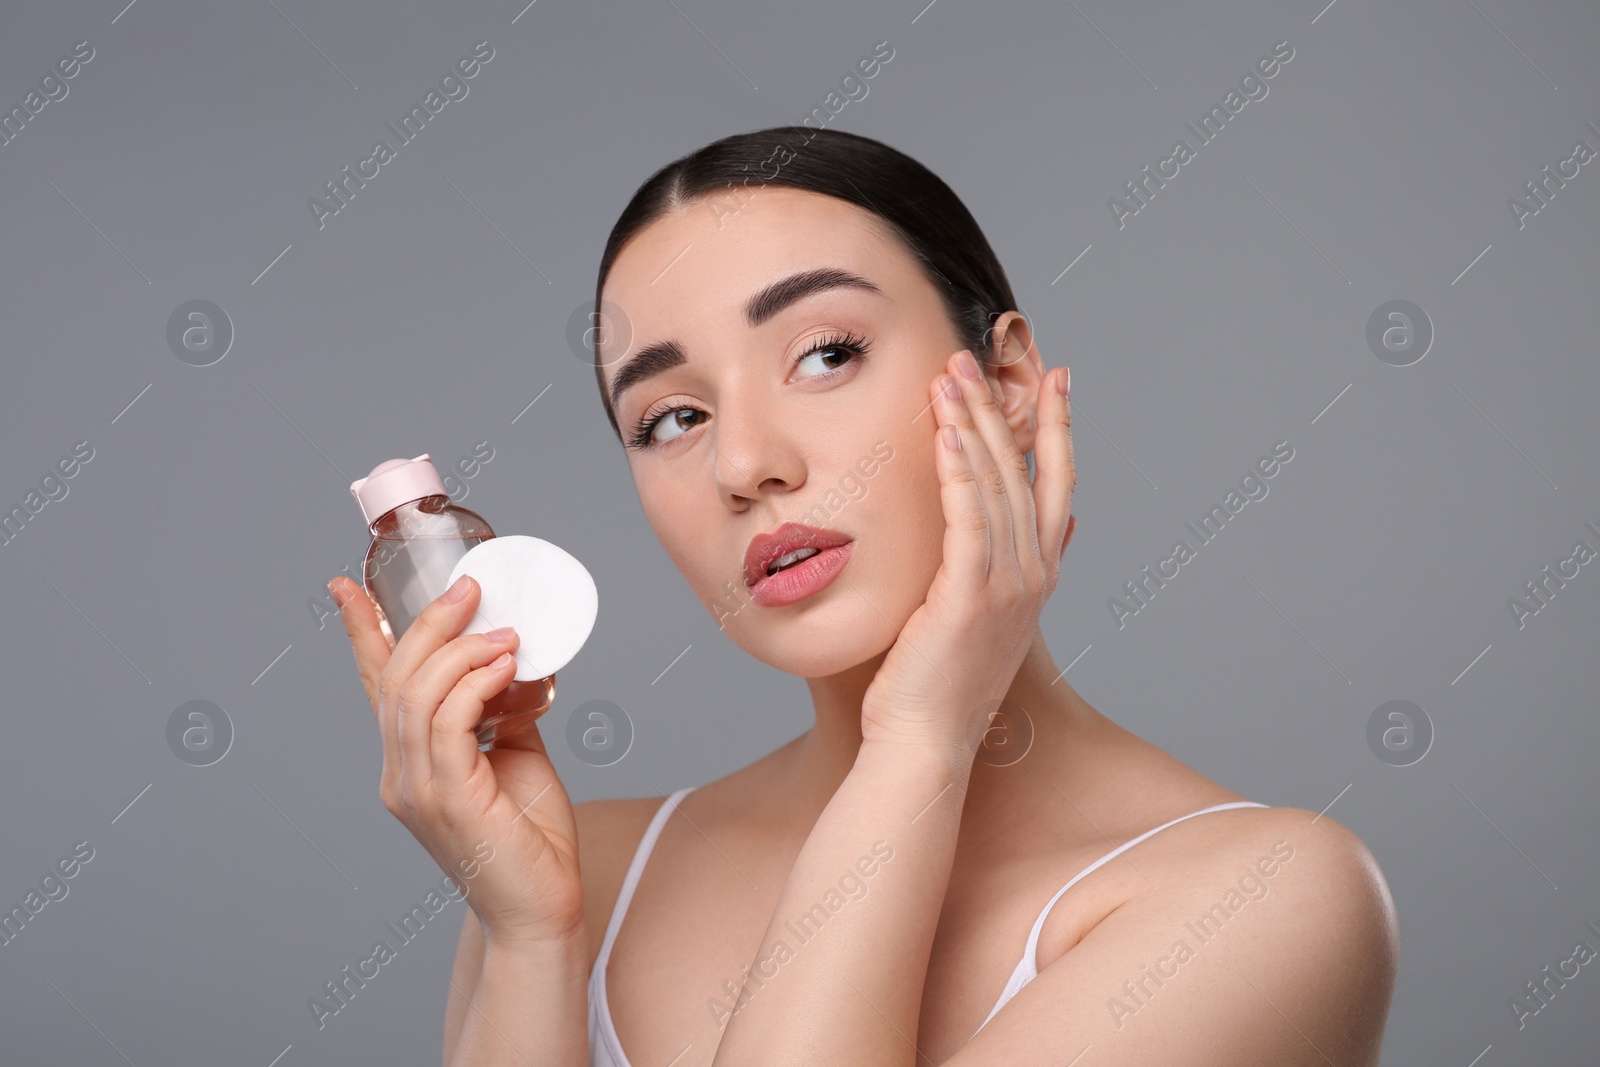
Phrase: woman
[961,862]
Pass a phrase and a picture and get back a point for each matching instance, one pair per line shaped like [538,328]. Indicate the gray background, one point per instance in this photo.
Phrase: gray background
[1229,314]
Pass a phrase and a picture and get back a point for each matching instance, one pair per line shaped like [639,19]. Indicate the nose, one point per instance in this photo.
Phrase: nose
[755,456]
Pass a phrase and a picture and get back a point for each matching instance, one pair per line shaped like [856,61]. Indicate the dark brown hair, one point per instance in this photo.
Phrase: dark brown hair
[917,205]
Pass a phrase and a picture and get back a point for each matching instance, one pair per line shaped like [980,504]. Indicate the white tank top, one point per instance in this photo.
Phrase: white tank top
[605,1050]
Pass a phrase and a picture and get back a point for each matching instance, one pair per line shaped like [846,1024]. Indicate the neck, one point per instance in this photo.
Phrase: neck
[1039,700]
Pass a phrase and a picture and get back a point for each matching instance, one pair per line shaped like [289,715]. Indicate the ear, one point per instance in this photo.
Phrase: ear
[1015,371]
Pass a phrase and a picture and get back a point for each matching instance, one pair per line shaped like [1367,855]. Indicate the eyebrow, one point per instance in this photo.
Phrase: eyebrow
[661,356]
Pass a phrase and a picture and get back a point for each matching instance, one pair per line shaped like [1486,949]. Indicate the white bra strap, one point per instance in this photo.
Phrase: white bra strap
[1038,924]
[1027,968]
[631,881]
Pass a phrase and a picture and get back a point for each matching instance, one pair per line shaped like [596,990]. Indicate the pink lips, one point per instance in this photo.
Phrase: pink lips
[809,576]
[802,579]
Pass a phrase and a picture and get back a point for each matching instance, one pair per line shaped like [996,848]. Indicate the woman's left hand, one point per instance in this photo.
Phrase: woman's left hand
[956,656]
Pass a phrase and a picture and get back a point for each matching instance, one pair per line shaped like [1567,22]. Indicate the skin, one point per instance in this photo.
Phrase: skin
[1301,975]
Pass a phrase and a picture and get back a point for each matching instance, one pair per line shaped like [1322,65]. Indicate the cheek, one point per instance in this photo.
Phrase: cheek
[904,519]
[678,522]
[925,535]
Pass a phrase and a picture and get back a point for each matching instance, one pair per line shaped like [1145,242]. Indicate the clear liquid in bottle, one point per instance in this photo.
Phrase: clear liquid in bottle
[418,535]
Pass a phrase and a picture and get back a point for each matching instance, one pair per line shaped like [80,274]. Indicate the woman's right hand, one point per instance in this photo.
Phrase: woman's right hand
[428,691]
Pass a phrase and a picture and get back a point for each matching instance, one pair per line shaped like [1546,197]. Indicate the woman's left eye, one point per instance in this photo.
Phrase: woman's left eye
[848,346]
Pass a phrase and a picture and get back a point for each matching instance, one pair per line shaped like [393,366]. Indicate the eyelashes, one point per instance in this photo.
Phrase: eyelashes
[640,438]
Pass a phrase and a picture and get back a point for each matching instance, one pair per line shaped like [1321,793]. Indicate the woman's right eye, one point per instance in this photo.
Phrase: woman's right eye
[645,436]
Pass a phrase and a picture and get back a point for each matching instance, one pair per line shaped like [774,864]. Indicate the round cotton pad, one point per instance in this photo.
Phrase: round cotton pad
[539,589]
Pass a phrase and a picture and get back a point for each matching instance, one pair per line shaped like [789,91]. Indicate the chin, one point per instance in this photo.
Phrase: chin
[816,661]
[820,664]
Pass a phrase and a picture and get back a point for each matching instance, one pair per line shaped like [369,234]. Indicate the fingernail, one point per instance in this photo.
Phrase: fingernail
[502,660]
[1064,382]
[335,593]
[951,389]
[967,365]
[456,591]
[502,634]
[952,439]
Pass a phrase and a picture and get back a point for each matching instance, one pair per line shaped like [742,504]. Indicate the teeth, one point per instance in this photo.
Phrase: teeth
[791,557]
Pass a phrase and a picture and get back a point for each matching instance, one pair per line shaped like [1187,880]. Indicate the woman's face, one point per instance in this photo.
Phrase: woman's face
[780,420]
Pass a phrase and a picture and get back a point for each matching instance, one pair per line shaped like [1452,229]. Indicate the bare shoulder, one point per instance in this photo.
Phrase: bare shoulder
[1326,879]
[1323,943]
[609,831]
[1341,894]
[1333,869]
[1296,903]
[1283,913]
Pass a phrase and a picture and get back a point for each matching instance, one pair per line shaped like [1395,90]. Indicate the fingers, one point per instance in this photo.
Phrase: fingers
[1057,470]
[437,623]
[422,736]
[967,534]
[1001,469]
[372,651]
[454,750]
[360,616]
[441,620]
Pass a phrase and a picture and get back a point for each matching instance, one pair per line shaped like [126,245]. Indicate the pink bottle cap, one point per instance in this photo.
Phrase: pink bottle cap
[394,482]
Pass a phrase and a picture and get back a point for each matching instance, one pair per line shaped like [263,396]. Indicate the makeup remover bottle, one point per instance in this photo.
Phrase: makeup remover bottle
[418,534]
